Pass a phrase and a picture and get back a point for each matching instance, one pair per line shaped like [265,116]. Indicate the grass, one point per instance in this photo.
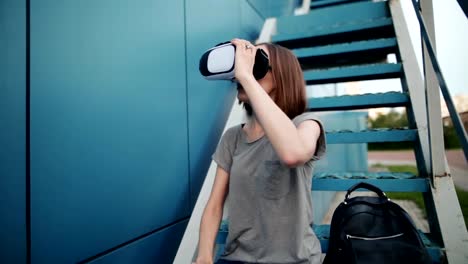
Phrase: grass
[418,197]
[463,200]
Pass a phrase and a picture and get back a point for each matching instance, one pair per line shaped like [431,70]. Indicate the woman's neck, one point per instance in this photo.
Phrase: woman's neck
[253,129]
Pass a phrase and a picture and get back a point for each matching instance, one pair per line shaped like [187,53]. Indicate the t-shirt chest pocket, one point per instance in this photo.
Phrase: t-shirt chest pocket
[274,179]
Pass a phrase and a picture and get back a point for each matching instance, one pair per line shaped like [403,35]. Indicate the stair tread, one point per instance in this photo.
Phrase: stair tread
[383,129]
[326,3]
[345,47]
[351,13]
[364,175]
[353,73]
[343,32]
[386,181]
[358,52]
[348,102]
[371,135]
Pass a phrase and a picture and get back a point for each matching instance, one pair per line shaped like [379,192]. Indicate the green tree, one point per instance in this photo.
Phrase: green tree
[392,119]
[451,140]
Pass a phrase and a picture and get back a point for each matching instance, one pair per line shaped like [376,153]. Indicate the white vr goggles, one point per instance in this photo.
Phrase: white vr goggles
[217,63]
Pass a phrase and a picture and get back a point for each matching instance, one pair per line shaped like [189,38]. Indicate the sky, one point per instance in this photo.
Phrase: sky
[452,44]
[451,27]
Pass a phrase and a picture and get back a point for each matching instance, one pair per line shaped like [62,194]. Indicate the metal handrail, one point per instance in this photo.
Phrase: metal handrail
[460,130]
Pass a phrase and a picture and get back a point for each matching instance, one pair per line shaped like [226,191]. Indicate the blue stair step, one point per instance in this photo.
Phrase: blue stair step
[353,73]
[355,13]
[363,101]
[326,3]
[387,181]
[323,234]
[372,29]
[359,52]
[337,24]
[371,135]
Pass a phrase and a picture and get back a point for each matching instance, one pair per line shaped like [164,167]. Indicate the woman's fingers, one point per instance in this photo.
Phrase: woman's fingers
[245,58]
[243,44]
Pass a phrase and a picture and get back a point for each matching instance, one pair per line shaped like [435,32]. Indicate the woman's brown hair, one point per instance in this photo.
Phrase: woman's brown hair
[289,85]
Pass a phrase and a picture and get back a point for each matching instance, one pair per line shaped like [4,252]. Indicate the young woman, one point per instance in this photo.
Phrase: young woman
[266,167]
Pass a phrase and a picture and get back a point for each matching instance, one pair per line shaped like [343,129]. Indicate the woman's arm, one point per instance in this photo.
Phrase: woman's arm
[294,145]
[212,217]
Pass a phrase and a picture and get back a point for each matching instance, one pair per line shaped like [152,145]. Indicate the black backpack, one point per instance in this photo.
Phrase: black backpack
[373,230]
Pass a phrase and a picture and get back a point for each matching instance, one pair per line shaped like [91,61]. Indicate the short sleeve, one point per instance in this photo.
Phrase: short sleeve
[321,146]
[225,149]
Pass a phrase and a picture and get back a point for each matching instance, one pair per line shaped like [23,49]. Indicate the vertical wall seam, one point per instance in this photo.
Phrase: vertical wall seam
[187,109]
[28,136]
[133,240]
[241,17]
[255,9]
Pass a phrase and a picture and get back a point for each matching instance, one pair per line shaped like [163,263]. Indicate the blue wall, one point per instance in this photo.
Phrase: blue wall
[122,126]
[274,8]
[108,124]
[12,131]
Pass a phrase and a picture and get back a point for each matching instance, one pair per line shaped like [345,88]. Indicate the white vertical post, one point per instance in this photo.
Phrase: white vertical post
[413,76]
[436,135]
[449,215]
[303,9]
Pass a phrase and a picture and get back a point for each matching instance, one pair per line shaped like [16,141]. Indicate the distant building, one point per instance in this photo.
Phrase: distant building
[447,121]
[460,101]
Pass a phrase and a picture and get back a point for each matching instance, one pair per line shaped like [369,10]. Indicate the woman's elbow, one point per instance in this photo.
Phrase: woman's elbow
[296,157]
[293,160]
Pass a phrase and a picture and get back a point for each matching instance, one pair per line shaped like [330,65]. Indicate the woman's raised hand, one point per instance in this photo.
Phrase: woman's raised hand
[245,59]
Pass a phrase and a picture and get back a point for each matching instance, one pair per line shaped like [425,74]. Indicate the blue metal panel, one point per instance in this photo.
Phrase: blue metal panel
[312,52]
[12,131]
[396,135]
[159,247]
[109,148]
[274,8]
[333,16]
[347,102]
[251,20]
[354,73]
[209,102]
[388,185]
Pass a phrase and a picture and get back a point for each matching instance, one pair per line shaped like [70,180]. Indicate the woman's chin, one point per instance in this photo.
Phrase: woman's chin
[242,98]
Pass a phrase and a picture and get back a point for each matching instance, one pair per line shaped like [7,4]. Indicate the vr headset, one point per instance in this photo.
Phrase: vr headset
[217,63]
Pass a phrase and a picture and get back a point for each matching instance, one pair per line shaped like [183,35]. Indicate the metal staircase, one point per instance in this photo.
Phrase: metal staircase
[349,40]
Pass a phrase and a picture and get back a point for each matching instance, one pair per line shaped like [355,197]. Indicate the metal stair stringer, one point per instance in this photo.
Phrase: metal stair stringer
[444,213]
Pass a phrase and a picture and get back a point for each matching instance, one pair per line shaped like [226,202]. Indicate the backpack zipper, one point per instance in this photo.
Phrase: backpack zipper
[374,238]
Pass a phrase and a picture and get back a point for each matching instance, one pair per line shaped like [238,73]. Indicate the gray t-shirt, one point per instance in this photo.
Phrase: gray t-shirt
[270,207]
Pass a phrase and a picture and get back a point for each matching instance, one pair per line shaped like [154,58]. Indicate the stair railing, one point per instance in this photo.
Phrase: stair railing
[458,125]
